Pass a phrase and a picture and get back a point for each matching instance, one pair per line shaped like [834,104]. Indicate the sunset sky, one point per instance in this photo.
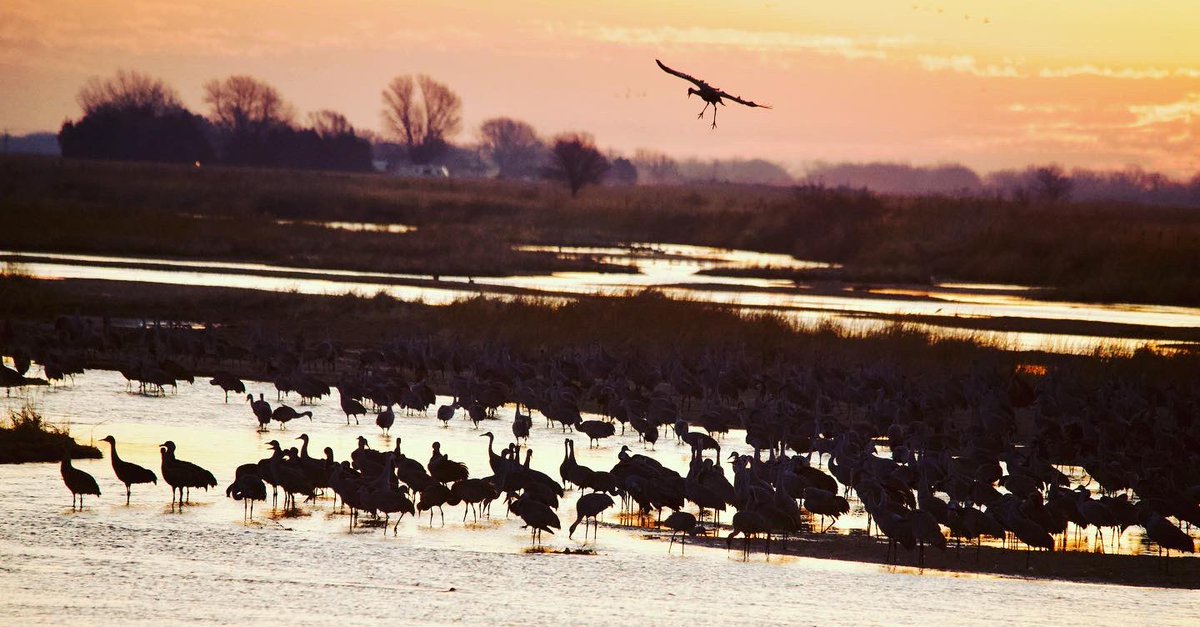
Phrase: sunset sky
[989,83]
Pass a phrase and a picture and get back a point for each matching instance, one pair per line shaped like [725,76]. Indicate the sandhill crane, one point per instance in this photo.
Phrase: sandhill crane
[228,383]
[77,481]
[351,407]
[472,492]
[284,414]
[289,476]
[926,531]
[445,413]
[596,430]
[247,487]
[521,425]
[701,442]
[128,473]
[680,522]
[825,503]
[382,497]
[1164,534]
[709,94]
[590,506]
[437,495]
[445,470]
[385,419]
[182,475]
[261,409]
[748,523]
[537,516]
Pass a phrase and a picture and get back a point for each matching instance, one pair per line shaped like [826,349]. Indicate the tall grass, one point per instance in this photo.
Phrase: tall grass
[27,437]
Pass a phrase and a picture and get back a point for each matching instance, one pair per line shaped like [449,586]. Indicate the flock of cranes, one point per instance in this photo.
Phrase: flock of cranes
[778,495]
[969,453]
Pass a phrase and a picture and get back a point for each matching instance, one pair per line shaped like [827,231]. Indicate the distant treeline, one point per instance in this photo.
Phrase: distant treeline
[1035,183]
[134,117]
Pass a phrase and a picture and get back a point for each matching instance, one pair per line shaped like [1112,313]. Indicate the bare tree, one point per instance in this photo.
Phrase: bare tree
[328,123]
[656,167]
[576,161]
[129,91]
[243,105]
[1050,183]
[422,114]
[512,145]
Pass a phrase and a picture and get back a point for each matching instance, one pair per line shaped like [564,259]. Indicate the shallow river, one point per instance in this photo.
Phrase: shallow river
[674,270]
[143,564]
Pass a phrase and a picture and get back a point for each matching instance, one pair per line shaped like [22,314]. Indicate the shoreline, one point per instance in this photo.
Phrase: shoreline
[1147,571]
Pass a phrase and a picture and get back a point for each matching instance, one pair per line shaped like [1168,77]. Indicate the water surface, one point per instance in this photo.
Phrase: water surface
[143,564]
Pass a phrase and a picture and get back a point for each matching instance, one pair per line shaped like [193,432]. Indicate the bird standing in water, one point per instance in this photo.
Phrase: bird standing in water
[709,94]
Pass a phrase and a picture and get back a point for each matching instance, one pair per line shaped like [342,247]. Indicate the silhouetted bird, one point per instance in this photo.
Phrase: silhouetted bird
[680,522]
[590,506]
[77,481]
[386,419]
[228,383]
[261,409]
[284,414]
[537,516]
[181,475]
[127,472]
[248,488]
[709,94]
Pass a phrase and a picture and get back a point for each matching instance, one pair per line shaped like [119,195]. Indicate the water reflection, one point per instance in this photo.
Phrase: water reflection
[370,227]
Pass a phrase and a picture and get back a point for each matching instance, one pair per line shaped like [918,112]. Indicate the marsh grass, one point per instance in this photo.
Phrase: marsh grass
[27,437]
[643,324]
[1109,252]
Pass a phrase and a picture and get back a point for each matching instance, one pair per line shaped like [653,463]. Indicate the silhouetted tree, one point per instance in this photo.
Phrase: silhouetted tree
[576,161]
[129,91]
[1050,184]
[622,172]
[512,146]
[656,167]
[340,146]
[245,111]
[328,123]
[422,114]
[133,116]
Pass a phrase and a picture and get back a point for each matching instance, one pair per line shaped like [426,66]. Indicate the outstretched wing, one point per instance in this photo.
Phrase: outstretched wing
[699,83]
[748,103]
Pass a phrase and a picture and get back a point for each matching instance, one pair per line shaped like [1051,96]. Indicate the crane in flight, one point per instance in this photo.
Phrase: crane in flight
[709,94]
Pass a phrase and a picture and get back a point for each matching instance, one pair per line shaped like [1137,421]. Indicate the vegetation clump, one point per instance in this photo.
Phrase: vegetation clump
[29,438]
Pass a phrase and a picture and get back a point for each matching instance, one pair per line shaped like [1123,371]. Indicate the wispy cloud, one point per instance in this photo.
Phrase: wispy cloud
[778,41]
[1042,109]
[967,64]
[1120,72]
[1185,111]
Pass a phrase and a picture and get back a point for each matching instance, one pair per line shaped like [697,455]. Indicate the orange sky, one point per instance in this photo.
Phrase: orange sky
[990,83]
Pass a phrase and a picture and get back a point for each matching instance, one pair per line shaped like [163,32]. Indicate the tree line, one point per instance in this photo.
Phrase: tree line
[133,116]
